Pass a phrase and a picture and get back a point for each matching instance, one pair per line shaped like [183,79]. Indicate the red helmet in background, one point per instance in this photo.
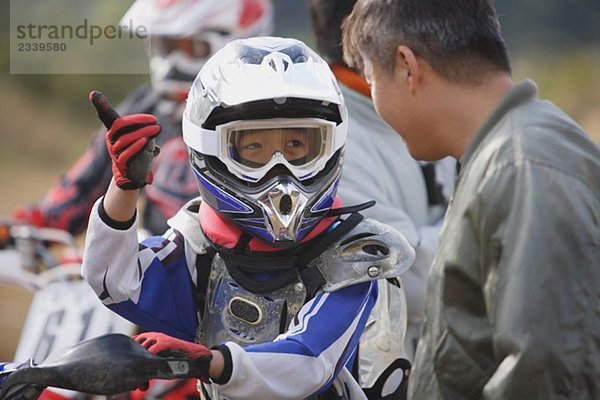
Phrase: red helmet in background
[183,34]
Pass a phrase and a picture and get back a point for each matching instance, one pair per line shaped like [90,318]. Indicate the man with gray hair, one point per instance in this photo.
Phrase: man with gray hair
[512,308]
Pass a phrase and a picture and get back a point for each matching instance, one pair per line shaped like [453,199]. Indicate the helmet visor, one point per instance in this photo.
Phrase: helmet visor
[252,148]
[198,46]
[192,47]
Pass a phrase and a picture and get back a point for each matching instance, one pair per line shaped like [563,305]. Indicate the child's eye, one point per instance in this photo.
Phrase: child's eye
[294,143]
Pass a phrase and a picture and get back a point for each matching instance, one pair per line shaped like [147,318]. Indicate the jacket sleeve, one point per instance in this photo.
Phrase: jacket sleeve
[307,358]
[148,283]
[541,273]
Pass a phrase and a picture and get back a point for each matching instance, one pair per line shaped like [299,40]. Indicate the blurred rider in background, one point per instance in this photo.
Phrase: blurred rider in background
[183,34]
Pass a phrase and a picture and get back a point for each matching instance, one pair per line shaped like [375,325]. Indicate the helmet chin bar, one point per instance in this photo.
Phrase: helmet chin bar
[283,205]
[172,75]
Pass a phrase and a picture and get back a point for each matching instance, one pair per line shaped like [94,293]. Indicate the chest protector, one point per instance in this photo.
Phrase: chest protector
[233,313]
[250,297]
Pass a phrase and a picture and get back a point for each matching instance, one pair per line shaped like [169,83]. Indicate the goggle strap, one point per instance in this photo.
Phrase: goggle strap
[334,212]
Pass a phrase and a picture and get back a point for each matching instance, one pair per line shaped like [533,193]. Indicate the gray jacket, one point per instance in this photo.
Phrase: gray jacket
[377,166]
[513,308]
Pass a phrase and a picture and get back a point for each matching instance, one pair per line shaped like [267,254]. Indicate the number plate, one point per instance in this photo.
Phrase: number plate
[63,314]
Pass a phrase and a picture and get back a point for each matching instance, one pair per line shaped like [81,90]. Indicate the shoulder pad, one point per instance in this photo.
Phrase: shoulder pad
[186,221]
[372,250]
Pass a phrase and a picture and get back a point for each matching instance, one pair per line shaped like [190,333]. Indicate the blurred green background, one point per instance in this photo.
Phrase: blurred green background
[46,121]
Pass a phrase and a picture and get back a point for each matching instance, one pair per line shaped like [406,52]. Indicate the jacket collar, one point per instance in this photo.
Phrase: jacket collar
[351,79]
[521,93]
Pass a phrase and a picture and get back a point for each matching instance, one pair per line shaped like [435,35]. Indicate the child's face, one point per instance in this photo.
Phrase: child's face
[259,145]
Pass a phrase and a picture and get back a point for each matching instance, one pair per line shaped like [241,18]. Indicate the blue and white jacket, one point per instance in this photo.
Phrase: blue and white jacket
[152,284]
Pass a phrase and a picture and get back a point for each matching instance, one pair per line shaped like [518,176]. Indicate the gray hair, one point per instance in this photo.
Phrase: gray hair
[460,39]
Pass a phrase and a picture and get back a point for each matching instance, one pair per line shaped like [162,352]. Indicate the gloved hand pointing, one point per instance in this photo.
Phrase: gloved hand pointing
[167,346]
[130,143]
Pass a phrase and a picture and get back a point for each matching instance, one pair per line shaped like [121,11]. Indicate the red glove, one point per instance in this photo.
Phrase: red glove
[127,141]
[130,143]
[29,215]
[167,346]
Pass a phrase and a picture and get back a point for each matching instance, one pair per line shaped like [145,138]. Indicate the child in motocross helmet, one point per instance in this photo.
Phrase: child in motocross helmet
[264,279]
[182,36]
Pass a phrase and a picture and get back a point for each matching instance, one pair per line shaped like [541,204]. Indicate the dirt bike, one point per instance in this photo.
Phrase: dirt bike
[106,365]
[45,305]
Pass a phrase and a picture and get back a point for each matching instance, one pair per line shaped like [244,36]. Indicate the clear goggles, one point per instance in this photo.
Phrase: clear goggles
[250,149]
[201,45]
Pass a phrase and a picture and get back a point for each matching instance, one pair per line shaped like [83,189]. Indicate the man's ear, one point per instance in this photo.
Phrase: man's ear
[407,64]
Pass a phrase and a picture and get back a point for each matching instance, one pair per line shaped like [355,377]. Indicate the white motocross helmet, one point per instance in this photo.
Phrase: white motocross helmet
[183,34]
[265,124]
